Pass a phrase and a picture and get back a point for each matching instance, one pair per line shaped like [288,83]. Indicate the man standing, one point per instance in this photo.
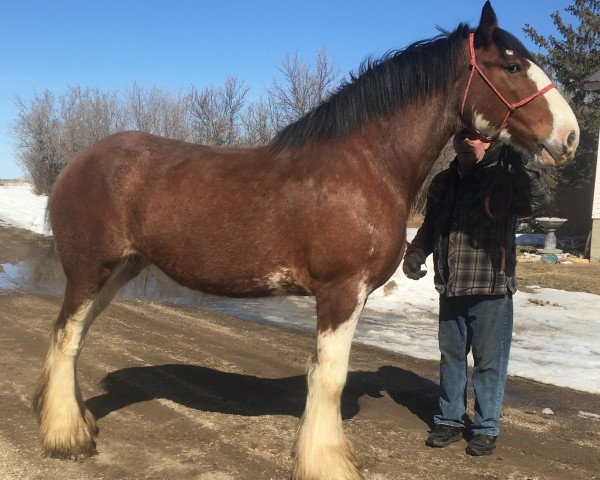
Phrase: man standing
[469,225]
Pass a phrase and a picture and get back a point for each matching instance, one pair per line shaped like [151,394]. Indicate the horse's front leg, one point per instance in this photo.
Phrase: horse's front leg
[321,450]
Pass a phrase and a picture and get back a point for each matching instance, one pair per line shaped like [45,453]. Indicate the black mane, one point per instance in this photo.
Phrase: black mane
[381,86]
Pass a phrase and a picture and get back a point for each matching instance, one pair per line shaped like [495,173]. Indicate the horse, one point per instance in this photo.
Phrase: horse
[321,210]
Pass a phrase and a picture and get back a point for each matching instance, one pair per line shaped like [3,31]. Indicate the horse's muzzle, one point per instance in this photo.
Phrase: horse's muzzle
[561,149]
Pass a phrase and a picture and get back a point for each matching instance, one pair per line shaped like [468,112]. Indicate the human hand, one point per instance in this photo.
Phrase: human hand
[413,260]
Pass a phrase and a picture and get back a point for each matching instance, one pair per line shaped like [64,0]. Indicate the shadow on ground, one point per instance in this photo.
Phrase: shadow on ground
[212,390]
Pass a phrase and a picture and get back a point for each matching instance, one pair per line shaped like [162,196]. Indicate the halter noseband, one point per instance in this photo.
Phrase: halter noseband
[511,106]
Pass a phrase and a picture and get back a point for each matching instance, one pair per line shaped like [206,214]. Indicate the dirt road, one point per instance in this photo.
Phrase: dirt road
[180,393]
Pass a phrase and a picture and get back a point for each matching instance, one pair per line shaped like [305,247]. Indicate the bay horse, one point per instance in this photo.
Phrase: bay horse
[320,211]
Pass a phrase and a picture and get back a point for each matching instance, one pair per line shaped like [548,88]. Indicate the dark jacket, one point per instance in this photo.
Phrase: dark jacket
[470,223]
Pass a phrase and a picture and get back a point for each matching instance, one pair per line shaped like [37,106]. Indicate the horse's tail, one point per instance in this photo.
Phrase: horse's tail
[52,250]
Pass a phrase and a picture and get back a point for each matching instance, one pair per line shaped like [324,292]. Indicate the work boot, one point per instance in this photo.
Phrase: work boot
[443,435]
[481,445]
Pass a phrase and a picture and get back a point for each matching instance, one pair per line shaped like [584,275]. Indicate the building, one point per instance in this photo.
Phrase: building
[592,83]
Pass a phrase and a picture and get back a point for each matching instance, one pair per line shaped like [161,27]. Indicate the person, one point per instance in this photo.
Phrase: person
[469,225]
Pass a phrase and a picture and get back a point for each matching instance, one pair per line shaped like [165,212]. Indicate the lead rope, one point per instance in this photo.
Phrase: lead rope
[501,216]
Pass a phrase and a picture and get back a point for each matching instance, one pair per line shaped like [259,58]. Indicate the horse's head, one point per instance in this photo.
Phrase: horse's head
[509,97]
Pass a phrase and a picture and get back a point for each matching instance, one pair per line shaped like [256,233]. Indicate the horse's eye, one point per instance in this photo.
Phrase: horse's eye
[513,68]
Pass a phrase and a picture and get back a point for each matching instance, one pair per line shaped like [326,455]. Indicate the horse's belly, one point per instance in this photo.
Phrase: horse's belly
[239,285]
[235,274]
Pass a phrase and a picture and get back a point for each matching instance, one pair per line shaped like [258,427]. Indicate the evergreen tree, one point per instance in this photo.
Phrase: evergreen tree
[571,57]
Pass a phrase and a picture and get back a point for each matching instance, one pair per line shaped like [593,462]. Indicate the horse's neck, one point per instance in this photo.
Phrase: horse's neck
[405,146]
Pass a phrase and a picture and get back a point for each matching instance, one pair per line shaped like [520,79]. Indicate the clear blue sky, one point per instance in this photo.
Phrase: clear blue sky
[172,44]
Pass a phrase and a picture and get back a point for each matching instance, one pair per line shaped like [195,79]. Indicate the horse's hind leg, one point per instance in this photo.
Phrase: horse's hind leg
[67,428]
[322,451]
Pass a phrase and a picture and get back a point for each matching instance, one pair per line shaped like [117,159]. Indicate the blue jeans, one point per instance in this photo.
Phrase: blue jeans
[483,324]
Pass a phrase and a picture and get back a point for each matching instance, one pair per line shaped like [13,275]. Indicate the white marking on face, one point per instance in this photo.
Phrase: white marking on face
[504,135]
[510,52]
[564,121]
[486,128]
[482,125]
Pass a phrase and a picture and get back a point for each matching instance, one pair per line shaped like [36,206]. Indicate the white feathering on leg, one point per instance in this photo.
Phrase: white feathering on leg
[322,450]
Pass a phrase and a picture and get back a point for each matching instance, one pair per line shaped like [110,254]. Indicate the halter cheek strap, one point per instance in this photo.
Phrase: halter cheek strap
[511,106]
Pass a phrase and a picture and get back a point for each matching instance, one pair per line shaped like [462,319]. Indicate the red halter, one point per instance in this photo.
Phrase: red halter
[511,106]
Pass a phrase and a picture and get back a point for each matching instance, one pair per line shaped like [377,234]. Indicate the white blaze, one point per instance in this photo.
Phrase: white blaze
[564,121]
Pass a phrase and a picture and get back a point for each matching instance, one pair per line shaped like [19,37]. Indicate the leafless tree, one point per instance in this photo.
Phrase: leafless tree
[158,112]
[37,131]
[301,86]
[52,130]
[259,123]
[86,116]
[216,113]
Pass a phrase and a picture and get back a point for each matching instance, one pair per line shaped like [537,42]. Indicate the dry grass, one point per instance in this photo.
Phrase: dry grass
[575,277]
[9,182]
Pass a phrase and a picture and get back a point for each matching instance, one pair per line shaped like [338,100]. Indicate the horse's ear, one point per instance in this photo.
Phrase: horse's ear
[487,24]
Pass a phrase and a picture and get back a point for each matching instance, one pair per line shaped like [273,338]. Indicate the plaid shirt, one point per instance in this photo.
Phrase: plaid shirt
[470,223]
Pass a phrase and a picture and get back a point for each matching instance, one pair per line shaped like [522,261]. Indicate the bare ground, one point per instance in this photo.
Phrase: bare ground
[186,394]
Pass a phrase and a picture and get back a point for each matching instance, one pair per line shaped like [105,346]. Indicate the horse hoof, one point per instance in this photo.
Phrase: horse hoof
[338,469]
[69,452]
[81,443]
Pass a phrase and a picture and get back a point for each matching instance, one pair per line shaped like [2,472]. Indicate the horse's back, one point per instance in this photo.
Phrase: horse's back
[119,171]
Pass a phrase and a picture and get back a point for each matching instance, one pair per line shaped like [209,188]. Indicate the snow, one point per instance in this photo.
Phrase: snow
[20,207]
[556,338]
